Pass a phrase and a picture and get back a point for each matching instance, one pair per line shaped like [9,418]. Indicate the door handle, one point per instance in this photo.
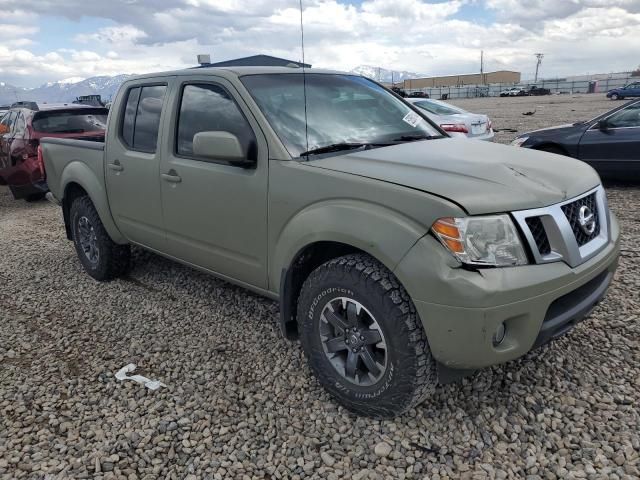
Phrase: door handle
[115,166]
[171,177]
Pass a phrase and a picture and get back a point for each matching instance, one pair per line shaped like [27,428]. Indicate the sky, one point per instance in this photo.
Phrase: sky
[53,40]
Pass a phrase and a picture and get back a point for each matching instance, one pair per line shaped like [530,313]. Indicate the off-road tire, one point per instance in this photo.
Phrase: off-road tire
[114,259]
[410,375]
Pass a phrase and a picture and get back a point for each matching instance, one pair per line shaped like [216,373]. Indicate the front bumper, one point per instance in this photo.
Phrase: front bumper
[461,309]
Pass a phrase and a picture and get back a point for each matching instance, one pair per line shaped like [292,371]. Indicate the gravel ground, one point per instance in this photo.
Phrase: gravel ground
[240,401]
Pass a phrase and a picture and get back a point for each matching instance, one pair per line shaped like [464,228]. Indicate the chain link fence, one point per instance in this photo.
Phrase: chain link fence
[557,86]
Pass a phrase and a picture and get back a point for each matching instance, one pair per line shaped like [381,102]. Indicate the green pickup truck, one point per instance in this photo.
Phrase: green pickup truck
[400,257]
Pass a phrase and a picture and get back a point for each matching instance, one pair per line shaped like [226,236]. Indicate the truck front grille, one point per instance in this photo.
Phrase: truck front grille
[562,231]
[539,235]
[572,211]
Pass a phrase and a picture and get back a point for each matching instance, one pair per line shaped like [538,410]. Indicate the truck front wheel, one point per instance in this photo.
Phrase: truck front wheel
[363,338]
[100,256]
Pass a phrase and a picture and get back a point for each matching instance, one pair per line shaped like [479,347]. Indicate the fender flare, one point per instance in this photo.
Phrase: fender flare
[78,173]
[385,234]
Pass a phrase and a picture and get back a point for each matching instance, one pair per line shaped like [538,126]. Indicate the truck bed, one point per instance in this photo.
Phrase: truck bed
[61,154]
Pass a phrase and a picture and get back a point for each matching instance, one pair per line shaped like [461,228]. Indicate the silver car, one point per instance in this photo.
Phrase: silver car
[454,120]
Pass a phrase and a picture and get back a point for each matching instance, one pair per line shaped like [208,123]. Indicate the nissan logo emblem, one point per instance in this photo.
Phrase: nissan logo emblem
[587,220]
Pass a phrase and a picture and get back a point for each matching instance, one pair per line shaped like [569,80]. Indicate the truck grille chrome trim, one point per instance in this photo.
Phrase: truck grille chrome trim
[555,233]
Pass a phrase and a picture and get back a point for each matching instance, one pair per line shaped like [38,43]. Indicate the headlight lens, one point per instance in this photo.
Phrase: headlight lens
[485,240]
[519,141]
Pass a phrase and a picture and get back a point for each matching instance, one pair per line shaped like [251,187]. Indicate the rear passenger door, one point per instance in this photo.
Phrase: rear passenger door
[5,141]
[215,212]
[133,163]
[15,173]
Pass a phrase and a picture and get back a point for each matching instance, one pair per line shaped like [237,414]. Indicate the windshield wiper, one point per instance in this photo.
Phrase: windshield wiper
[413,138]
[337,147]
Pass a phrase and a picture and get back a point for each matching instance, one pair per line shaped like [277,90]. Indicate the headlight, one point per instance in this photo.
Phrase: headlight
[485,240]
[519,141]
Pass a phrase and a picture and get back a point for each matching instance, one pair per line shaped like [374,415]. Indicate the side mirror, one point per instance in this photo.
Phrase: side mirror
[603,125]
[220,145]
[3,129]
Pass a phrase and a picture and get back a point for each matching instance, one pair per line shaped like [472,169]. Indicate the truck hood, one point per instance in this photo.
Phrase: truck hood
[481,177]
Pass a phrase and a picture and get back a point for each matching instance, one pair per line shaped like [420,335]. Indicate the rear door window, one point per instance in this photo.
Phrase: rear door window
[141,120]
[9,120]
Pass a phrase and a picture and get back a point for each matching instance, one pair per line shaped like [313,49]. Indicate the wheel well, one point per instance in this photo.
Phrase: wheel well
[71,192]
[305,262]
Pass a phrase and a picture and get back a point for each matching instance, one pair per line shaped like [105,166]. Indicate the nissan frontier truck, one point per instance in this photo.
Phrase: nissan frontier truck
[400,257]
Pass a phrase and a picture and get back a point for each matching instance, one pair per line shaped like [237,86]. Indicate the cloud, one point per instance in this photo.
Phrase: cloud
[533,13]
[416,35]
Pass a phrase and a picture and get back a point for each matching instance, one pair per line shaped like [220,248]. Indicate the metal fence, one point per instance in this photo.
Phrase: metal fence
[557,86]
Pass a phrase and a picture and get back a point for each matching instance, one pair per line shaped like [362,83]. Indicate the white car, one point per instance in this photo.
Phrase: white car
[454,120]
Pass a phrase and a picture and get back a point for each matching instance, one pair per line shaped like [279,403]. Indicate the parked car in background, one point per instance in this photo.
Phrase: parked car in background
[510,92]
[518,92]
[418,95]
[454,120]
[91,100]
[534,90]
[631,90]
[21,129]
[610,143]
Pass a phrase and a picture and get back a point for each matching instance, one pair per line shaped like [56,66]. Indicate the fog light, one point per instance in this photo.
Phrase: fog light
[498,336]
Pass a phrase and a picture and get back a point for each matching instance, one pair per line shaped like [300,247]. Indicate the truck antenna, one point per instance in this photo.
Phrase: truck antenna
[304,82]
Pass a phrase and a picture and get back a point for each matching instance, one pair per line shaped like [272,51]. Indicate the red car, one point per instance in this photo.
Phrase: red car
[21,129]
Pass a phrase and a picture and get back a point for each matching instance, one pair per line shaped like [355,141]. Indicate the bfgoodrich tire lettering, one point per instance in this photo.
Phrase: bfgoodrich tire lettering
[409,369]
[99,255]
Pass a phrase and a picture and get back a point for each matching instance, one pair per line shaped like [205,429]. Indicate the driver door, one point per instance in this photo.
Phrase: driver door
[215,212]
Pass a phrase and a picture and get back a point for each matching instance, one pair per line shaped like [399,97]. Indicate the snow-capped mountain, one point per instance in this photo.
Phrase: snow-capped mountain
[383,75]
[9,93]
[64,91]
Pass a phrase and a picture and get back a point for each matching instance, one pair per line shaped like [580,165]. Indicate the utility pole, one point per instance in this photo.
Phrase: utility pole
[539,56]
[482,66]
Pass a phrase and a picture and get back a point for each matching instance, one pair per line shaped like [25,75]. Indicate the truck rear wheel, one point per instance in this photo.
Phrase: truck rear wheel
[100,256]
[363,338]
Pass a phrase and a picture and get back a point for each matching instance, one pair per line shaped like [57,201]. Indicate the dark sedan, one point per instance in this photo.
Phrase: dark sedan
[609,143]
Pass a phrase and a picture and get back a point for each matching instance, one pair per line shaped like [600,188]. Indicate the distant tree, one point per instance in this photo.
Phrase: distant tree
[636,72]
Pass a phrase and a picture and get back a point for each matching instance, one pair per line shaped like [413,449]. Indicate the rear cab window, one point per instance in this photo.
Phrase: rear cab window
[140,123]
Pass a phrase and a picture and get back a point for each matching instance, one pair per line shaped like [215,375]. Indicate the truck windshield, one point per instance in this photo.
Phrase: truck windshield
[71,121]
[343,112]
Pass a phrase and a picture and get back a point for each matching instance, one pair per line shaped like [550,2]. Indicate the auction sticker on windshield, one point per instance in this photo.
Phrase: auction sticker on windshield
[412,119]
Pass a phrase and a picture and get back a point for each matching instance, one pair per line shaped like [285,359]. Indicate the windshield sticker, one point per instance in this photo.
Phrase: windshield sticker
[412,119]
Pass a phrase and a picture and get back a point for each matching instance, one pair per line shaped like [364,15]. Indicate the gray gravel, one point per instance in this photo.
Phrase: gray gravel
[240,401]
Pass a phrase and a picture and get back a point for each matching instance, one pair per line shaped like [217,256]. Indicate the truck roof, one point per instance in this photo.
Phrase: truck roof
[237,71]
